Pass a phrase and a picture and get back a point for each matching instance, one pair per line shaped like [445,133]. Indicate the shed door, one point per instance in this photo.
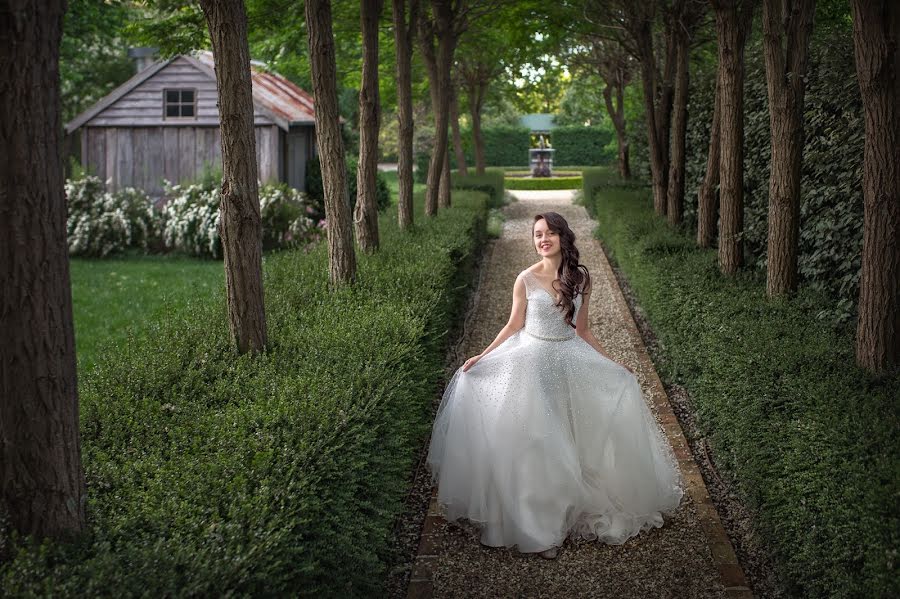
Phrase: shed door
[297,155]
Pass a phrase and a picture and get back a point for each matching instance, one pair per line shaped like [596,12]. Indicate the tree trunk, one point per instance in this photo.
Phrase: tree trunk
[436,162]
[675,188]
[732,27]
[707,196]
[43,488]
[658,169]
[457,138]
[876,29]
[366,214]
[617,116]
[403,38]
[785,74]
[341,255]
[475,105]
[443,10]
[241,226]
[444,195]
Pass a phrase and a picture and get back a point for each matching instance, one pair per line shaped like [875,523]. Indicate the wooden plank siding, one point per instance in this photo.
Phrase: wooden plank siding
[143,156]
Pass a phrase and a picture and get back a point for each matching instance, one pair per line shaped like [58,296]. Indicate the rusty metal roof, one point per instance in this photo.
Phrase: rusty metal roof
[280,96]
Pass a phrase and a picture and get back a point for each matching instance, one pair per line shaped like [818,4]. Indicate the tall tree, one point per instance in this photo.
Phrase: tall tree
[707,196]
[733,21]
[241,224]
[876,39]
[633,24]
[341,255]
[787,25]
[687,18]
[404,35]
[438,29]
[366,216]
[454,127]
[42,488]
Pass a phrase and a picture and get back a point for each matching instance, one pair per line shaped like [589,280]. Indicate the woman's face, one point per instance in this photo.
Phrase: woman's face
[546,242]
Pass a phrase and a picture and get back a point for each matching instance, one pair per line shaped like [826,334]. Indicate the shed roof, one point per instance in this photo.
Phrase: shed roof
[538,123]
[277,97]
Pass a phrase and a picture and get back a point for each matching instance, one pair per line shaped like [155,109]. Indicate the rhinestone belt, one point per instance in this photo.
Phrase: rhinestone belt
[550,338]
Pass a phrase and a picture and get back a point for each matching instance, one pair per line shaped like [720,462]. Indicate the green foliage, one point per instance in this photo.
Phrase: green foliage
[317,193]
[211,474]
[92,53]
[491,182]
[543,183]
[576,145]
[810,441]
[598,178]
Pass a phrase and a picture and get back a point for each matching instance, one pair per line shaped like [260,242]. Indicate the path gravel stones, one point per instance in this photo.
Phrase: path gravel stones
[688,557]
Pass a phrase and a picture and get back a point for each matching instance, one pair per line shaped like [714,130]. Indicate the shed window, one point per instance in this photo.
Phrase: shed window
[180,103]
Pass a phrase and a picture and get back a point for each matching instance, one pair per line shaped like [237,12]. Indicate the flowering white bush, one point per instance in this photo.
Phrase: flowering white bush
[101,223]
[190,219]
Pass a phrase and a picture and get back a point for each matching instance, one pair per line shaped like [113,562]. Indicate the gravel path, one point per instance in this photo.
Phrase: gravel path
[673,561]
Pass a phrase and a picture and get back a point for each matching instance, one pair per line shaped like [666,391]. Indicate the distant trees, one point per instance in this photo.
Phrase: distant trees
[42,485]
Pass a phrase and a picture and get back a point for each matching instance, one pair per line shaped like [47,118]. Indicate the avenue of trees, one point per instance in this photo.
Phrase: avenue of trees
[441,61]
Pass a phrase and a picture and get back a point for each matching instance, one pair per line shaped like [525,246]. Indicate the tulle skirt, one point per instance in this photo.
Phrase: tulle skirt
[543,439]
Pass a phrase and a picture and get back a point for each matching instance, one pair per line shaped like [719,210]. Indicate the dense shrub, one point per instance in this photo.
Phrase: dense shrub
[316,191]
[491,183]
[503,146]
[190,219]
[543,183]
[581,146]
[810,440]
[282,474]
[101,223]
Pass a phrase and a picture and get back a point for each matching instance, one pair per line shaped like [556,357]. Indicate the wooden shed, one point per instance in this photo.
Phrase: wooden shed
[163,123]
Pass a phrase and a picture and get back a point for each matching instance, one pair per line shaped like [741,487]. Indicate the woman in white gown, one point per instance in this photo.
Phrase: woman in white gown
[542,435]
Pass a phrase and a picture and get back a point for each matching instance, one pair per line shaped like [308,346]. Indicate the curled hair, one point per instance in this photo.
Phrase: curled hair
[573,277]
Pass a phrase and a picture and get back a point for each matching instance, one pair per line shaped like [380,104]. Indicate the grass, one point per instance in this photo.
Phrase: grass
[115,298]
[809,441]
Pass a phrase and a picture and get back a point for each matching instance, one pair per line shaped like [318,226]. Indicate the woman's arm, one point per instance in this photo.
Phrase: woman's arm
[583,329]
[516,321]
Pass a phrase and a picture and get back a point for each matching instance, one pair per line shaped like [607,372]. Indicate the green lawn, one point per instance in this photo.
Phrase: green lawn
[114,296]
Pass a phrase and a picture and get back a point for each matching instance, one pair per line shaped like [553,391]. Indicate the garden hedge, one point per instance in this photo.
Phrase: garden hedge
[582,146]
[540,183]
[491,183]
[211,474]
[810,441]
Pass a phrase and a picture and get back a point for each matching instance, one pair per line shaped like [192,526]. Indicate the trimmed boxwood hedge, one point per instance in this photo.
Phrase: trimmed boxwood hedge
[576,145]
[543,183]
[491,183]
[212,474]
[810,440]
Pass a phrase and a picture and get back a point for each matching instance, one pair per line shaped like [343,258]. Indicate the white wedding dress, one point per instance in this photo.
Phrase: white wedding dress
[545,437]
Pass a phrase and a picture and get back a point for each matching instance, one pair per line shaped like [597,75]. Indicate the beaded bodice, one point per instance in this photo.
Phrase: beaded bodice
[542,318]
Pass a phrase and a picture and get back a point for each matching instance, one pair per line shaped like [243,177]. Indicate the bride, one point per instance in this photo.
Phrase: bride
[542,435]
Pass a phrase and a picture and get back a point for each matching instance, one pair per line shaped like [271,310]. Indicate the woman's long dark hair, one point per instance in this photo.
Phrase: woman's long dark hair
[573,276]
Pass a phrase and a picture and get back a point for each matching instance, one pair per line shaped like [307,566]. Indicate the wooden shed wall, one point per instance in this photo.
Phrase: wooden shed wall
[143,105]
[143,156]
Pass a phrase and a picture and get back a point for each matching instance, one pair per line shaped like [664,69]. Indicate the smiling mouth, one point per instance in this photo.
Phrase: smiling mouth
[546,246]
